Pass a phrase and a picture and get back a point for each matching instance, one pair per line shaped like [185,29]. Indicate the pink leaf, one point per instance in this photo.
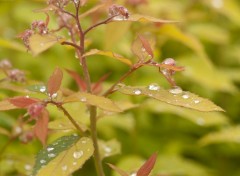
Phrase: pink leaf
[22,102]
[97,87]
[146,45]
[54,81]
[147,167]
[80,82]
[41,127]
[120,171]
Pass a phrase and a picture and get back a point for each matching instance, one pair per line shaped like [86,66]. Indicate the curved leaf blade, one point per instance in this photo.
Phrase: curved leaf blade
[109,148]
[109,54]
[6,105]
[147,167]
[183,99]
[55,81]
[146,18]
[22,102]
[99,101]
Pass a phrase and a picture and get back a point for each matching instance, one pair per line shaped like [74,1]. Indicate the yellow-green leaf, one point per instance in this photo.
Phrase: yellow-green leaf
[65,124]
[175,97]
[64,156]
[11,45]
[109,54]
[90,99]
[39,43]
[231,134]
[109,148]
[6,105]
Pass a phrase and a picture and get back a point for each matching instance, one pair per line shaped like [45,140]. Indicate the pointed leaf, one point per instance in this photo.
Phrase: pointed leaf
[41,127]
[147,167]
[120,171]
[37,88]
[22,102]
[173,97]
[47,9]
[109,148]
[231,134]
[146,45]
[55,81]
[99,101]
[65,124]
[80,82]
[12,45]
[64,157]
[39,43]
[109,54]
[6,105]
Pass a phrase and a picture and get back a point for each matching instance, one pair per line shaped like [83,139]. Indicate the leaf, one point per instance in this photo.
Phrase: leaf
[47,9]
[109,54]
[23,102]
[109,148]
[99,101]
[230,134]
[147,167]
[182,98]
[64,156]
[197,117]
[12,45]
[55,81]
[39,43]
[146,45]
[120,171]
[80,82]
[92,10]
[145,18]
[6,105]
[5,132]
[41,127]
[37,88]
[65,124]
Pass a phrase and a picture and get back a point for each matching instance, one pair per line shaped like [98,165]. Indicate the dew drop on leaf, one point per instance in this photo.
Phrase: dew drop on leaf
[78,154]
[137,92]
[133,174]
[41,44]
[54,95]
[27,167]
[185,96]
[200,121]
[196,101]
[74,163]
[51,155]
[50,149]
[42,161]
[175,90]
[107,149]
[83,99]
[64,168]
[42,89]
[153,86]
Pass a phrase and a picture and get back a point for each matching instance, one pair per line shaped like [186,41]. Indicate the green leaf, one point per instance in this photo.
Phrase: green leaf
[65,124]
[64,156]
[99,101]
[109,148]
[231,134]
[197,117]
[39,43]
[37,88]
[11,45]
[173,97]
[109,54]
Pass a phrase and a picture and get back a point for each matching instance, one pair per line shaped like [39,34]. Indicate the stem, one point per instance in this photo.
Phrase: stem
[71,44]
[92,109]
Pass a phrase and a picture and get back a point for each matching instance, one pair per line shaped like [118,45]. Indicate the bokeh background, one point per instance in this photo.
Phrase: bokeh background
[205,41]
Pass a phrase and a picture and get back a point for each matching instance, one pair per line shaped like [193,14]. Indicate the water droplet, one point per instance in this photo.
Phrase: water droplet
[84,142]
[42,161]
[143,49]
[107,149]
[176,90]
[78,154]
[42,89]
[27,96]
[137,92]
[75,134]
[153,86]
[75,1]
[83,99]
[54,95]
[185,96]
[119,18]
[196,101]
[217,4]
[27,167]
[200,121]
[18,130]
[64,168]
[76,55]
[51,155]
[41,44]
[74,163]
[50,149]
[133,174]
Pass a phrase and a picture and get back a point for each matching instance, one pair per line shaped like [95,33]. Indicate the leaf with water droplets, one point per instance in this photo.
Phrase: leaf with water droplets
[39,43]
[65,124]
[109,148]
[231,134]
[55,81]
[37,88]
[23,102]
[174,96]
[99,101]
[109,54]
[64,156]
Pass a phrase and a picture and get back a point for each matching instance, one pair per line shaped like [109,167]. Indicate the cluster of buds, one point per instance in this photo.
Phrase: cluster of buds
[25,37]
[40,27]
[35,110]
[16,75]
[118,12]
[5,64]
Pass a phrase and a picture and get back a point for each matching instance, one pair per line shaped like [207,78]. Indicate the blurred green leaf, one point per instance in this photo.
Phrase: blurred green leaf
[12,45]
[109,148]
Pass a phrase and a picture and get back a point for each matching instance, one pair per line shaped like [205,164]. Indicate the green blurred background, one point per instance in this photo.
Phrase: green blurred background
[206,42]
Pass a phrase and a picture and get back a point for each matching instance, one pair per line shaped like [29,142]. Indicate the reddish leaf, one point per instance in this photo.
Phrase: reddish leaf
[54,81]
[120,171]
[22,102]
[97,87]
[80,82]
[41,127]
[147,167]
[146,45]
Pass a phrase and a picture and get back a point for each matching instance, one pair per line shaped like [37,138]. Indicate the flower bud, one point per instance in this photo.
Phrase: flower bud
[35,110]
[5,64]
[16,75]
[120,12]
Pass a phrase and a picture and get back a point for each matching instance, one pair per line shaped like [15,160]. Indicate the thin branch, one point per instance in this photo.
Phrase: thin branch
[71,44]
[98,24]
